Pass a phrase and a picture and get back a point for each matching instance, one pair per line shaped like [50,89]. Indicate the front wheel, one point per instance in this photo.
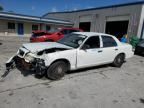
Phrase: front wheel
[57,70]
[119,60]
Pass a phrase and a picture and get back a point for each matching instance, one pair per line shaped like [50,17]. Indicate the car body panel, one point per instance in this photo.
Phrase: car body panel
[89,57]
[69,55]
[35,47]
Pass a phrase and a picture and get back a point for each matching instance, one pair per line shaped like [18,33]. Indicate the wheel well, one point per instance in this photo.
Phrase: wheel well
[64,60]
[122,54]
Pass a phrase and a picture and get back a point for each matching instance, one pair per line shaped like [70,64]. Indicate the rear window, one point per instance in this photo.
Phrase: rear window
[38,34]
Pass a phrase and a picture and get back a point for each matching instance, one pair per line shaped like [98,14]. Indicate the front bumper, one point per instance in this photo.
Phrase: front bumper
[37,65]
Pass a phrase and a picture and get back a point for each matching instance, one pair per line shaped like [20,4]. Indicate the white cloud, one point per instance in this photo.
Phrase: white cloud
[54,9]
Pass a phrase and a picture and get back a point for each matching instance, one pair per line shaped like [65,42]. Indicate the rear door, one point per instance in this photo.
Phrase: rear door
[109,48]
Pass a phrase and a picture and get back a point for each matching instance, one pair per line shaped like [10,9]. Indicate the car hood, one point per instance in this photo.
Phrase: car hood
[36,47]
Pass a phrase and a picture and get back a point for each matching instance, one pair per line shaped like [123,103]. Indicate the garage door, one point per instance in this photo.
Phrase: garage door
[117,25]
[85,22]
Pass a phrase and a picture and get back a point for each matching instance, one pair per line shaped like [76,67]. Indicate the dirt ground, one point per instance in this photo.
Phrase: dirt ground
[97,87]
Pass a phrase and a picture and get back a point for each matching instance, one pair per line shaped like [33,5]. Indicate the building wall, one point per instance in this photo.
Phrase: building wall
[99,17]
[3,27]
[27,29]
[4,31]
[141,23]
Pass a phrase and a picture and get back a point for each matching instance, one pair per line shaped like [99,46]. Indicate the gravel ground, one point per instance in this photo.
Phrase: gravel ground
[97,87]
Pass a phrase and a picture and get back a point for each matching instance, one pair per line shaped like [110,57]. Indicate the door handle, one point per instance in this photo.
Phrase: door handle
[100,51]
[116,49]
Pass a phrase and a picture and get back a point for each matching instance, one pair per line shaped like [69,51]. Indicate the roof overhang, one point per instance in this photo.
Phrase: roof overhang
[33,19]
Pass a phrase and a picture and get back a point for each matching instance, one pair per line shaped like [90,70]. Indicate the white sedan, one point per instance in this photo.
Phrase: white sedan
[74,51]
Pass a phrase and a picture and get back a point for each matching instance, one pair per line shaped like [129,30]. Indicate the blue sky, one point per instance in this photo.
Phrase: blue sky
[40,7]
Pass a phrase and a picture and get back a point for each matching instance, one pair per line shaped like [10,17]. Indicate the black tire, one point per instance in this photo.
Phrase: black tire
[119,60]
[137,52]
[57,70]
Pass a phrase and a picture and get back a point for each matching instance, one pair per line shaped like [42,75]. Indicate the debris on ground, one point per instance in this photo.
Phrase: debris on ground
[141,100]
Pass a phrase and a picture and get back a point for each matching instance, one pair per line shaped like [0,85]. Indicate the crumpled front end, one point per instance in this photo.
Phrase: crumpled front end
[31,56]
[26,60]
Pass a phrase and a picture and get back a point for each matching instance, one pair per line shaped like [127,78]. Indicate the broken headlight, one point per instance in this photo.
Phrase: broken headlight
[29,57]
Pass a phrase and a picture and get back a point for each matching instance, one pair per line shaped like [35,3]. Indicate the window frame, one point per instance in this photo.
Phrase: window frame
[35,25]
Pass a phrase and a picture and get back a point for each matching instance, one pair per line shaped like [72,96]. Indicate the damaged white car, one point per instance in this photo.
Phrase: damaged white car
[74,51]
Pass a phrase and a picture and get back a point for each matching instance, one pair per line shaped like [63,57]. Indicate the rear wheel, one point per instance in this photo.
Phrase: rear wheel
[57,70]
[119,60]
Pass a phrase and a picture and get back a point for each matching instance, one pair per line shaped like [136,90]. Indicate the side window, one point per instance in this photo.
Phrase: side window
[11,25]
[92,42]
[34,27]
[48,27]
[108,41]
[64,32]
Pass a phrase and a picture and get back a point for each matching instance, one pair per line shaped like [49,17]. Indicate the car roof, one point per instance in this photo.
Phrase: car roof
[92,33]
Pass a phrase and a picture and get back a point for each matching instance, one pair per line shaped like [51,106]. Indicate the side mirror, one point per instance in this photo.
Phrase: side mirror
[85,46]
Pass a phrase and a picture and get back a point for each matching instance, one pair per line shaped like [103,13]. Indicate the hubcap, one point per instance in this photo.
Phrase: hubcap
[119,60]
[59,69]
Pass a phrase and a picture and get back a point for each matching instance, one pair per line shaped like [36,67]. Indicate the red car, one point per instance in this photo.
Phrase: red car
[53,36]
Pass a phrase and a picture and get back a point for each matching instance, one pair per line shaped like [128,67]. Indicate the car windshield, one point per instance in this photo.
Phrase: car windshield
[72,40]
[54,30]
[38,34]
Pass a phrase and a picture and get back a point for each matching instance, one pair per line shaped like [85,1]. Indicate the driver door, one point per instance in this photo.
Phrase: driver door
[90,53]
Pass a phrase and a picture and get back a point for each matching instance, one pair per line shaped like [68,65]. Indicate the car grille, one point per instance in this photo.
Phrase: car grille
[21,53]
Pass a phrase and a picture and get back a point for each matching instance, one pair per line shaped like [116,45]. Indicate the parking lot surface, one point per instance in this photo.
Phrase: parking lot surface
[97,87]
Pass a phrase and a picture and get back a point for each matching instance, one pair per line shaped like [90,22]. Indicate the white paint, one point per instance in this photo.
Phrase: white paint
[78,57]
[141,23]
[35,47]
[33,18]
[142,32]
[86,18]
[118,18]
